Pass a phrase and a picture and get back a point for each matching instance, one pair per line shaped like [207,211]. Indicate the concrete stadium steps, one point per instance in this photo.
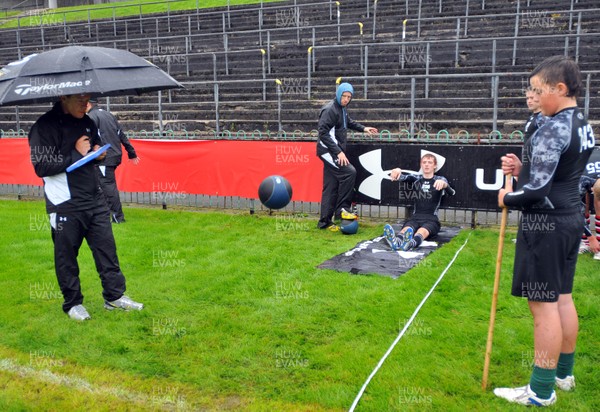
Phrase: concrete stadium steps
[393,115]
[275,17]
[432,114]
[213,23]
[106,32]
[538,18]
[465,103]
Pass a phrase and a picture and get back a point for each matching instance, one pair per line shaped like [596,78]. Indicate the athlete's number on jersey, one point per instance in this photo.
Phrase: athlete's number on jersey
[593,168]
[586,134]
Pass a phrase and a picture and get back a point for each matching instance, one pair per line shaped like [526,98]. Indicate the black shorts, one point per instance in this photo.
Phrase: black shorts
[546,255]
[431,223]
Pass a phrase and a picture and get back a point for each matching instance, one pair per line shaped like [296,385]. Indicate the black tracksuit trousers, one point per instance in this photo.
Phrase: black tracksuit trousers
[68,231]
[338,189]
[108,182]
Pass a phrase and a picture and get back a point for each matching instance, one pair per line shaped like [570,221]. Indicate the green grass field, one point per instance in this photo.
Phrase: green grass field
[238,318]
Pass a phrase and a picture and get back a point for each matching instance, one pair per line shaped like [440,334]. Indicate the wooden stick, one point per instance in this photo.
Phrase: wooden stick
[488,347]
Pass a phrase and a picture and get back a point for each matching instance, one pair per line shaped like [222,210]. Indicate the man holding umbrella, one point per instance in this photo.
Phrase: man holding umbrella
[61,139]
[75,203]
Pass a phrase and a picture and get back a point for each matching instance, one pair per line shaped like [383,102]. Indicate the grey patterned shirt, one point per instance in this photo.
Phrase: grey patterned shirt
[554,158]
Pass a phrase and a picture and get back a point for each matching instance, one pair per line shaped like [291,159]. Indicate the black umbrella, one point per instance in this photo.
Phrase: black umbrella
[99,71]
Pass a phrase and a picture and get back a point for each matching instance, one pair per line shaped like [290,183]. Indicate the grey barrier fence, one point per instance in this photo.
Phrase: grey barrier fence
[443,136]
[381,213]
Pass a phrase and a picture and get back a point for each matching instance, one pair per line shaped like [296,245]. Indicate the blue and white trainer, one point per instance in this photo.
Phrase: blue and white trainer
[390,237]
[408,237]
[524,396]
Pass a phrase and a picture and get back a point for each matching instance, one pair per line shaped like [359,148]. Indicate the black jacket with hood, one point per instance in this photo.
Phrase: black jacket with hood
[334,123]
[52,147]
[110,132]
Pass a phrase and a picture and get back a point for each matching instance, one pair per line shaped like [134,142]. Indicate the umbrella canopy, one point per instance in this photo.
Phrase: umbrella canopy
[99,71]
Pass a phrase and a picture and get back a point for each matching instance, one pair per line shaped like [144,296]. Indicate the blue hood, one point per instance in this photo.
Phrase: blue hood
[344,87]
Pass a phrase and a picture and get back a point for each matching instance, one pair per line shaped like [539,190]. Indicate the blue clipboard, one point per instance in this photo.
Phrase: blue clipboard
[88,158]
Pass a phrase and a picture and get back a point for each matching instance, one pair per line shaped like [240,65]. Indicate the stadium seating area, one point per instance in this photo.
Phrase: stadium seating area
[229,61]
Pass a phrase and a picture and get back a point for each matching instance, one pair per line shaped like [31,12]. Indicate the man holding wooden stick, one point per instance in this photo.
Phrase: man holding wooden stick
[547,192]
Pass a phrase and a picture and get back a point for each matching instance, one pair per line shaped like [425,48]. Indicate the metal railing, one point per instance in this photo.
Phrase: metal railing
[291,20]
[423,55]
[383,213]
[408,129]
[494,88]
[281,19]
[114,7]
[385,136]
[531,18]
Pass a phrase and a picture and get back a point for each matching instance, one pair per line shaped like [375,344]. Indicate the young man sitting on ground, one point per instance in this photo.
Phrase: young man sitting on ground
[428,190]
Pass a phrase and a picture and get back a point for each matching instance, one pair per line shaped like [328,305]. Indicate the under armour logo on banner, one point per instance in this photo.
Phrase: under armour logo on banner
[371,161]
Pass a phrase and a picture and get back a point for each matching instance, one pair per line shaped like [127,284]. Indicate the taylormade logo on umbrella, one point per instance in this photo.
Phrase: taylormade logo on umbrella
[25,89]
[80,69]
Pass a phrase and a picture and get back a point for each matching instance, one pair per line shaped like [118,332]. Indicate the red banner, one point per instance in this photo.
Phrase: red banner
[15,163]
[206,167]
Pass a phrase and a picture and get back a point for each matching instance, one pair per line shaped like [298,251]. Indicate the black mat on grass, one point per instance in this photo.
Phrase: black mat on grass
[376,257]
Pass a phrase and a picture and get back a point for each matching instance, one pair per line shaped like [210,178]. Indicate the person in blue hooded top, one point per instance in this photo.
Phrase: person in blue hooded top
[338,173]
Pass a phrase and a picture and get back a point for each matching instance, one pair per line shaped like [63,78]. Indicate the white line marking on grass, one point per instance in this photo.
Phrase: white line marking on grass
[406,326]
[8,365]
